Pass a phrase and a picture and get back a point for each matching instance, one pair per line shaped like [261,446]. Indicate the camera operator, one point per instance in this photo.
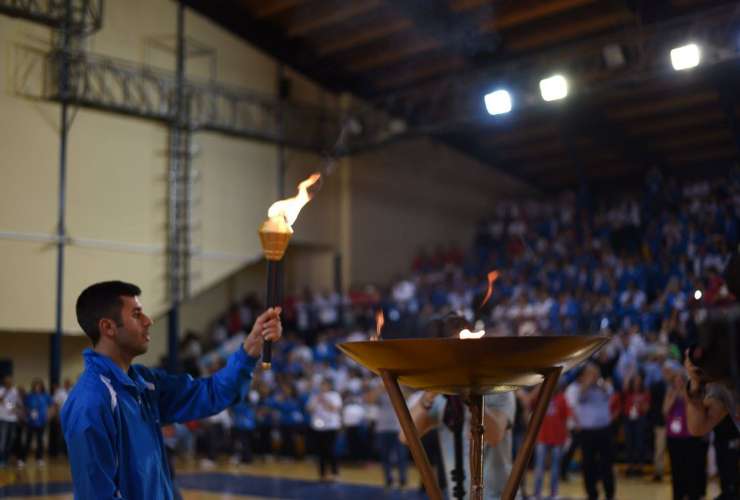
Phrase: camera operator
[708,405]
[712,391]
[708,402]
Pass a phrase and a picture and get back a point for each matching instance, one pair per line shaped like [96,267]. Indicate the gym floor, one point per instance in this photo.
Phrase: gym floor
[288,480]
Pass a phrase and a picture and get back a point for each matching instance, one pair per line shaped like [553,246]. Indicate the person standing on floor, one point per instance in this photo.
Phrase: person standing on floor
[56,440]
[636,399]
[430,410]
[9,403]
[325,408]
[392,452]
[688,453]
[550,440]
[657,421]
[571,398]
[113,417]
[38,405]
[594,418]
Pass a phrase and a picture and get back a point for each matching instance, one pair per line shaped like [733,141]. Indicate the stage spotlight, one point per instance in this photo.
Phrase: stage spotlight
[685,57]
[554,88]
[498,102]
[697,295]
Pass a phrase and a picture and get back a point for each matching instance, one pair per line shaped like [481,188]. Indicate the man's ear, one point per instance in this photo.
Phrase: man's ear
[107,327]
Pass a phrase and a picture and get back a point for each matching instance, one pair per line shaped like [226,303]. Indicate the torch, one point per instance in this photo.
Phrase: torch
[275,233]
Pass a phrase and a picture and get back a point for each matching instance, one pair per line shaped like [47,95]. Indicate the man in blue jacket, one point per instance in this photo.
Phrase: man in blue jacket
[112,420]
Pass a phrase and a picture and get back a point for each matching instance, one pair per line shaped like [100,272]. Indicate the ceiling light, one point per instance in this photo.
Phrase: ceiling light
[685,57]
[554,88]
[498,102]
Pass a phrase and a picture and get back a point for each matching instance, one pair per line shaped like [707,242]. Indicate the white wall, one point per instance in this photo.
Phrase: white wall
[376,209]
[413,194]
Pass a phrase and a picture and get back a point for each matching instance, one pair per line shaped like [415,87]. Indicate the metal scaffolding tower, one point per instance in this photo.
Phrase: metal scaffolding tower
[79,17]
[119,86]
[78,78]
[72,20]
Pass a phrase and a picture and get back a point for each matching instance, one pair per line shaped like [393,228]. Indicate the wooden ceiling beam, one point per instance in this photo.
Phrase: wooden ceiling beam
[519,132]
[725,153]
[463,5]
[687,121]
[521,12]
[684,141]
[540,167]
[381,59]
[274,7]
[568,31]
[364,37]
[588,119]
[458,31]
[271,39]
[662,106]
[329,17]
[532,150]
[422,72]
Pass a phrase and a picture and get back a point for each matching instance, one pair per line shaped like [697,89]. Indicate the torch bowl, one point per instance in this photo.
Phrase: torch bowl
[473,366]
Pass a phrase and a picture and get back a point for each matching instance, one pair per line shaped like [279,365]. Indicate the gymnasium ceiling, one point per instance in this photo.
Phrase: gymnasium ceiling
[431,61]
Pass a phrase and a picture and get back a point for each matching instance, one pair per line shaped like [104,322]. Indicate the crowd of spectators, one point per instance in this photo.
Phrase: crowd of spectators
[25,419]
[633,266]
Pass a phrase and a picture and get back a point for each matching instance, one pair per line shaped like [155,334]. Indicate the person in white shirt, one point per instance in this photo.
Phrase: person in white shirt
[387,429]
[430,410]
[9,401]
[326,419]
[56,440]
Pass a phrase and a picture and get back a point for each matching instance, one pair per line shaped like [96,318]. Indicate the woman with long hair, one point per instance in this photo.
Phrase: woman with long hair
[688,453]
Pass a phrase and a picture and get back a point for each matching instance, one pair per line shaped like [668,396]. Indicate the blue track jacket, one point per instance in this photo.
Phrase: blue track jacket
[112,423]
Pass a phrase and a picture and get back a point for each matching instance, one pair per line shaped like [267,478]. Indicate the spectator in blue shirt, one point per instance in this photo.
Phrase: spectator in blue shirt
[113,417]
[290,417]
[38,403]
[245,423]
[593,418]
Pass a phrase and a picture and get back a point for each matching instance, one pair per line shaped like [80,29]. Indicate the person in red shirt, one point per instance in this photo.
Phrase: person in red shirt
[636,403]
[551,438]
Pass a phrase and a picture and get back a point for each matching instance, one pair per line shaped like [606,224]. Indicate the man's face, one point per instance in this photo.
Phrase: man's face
[132,334]
[8,382]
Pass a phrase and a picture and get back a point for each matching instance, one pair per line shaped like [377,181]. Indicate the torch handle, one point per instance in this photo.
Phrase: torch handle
[274,269]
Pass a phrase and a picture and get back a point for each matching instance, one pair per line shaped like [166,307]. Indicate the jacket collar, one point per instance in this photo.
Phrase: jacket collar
[106,367]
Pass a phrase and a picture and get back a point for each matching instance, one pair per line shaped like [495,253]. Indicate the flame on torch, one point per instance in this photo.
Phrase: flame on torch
[379,322]
[276,231]
[289,208]
[492,277]
[467,334]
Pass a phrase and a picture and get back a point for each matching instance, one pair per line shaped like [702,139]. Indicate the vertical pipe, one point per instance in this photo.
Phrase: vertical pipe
[175,204]
[56,340]
[476,446]
[185,199]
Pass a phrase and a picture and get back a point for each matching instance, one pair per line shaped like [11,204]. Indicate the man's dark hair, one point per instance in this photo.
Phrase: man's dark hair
[102,300]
